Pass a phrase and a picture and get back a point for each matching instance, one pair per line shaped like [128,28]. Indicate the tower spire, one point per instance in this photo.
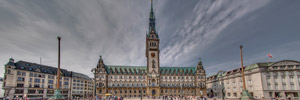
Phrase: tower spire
[152,21]
[151,6]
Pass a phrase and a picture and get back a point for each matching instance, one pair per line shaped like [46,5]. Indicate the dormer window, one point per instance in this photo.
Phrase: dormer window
[38,70]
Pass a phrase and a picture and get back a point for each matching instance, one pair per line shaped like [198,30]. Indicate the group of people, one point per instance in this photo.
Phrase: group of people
[107,98]
[183,98]
[149,97]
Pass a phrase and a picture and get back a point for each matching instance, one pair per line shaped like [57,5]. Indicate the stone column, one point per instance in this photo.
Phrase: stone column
[69,93]
[11,93]
[283,94]
[26,91]
[45,93]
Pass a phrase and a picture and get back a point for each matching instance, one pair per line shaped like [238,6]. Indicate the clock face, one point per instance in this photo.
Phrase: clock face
[153,54]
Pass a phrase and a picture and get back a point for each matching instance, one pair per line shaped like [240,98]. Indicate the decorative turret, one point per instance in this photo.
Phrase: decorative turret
[100,63]
[11,60]
[199,66]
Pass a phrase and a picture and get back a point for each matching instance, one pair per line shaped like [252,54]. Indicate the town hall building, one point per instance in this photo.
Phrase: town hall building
[152,79]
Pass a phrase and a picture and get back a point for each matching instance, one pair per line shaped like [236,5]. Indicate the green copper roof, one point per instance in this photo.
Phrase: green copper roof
[177,70]
[118,69]
[249,67]
[256,65]
[252,66]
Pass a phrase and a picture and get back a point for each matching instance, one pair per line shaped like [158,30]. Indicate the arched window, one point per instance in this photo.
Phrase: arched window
[153,82]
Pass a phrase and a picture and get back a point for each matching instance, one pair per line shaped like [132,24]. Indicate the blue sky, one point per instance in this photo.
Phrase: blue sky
[188,30]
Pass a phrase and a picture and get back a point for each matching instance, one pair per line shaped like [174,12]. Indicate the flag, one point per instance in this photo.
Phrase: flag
[269,55]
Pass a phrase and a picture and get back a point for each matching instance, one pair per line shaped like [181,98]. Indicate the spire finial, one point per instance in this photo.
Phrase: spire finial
[200,62]
[151,5]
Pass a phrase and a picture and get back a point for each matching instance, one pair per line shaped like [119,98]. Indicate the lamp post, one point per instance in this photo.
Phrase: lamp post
[245,94]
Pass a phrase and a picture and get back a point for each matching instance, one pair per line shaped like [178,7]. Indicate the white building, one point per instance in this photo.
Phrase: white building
[263,80]
[35,80]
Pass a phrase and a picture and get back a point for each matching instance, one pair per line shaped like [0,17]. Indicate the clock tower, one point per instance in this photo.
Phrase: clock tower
[152,55]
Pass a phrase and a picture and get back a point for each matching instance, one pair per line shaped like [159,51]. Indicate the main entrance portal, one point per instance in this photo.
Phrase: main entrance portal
[153,93]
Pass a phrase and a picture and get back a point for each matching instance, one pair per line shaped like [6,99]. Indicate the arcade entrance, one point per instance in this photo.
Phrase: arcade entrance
[153,92]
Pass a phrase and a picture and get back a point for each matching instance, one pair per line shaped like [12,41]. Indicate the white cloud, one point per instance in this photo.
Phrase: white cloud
[202,26]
